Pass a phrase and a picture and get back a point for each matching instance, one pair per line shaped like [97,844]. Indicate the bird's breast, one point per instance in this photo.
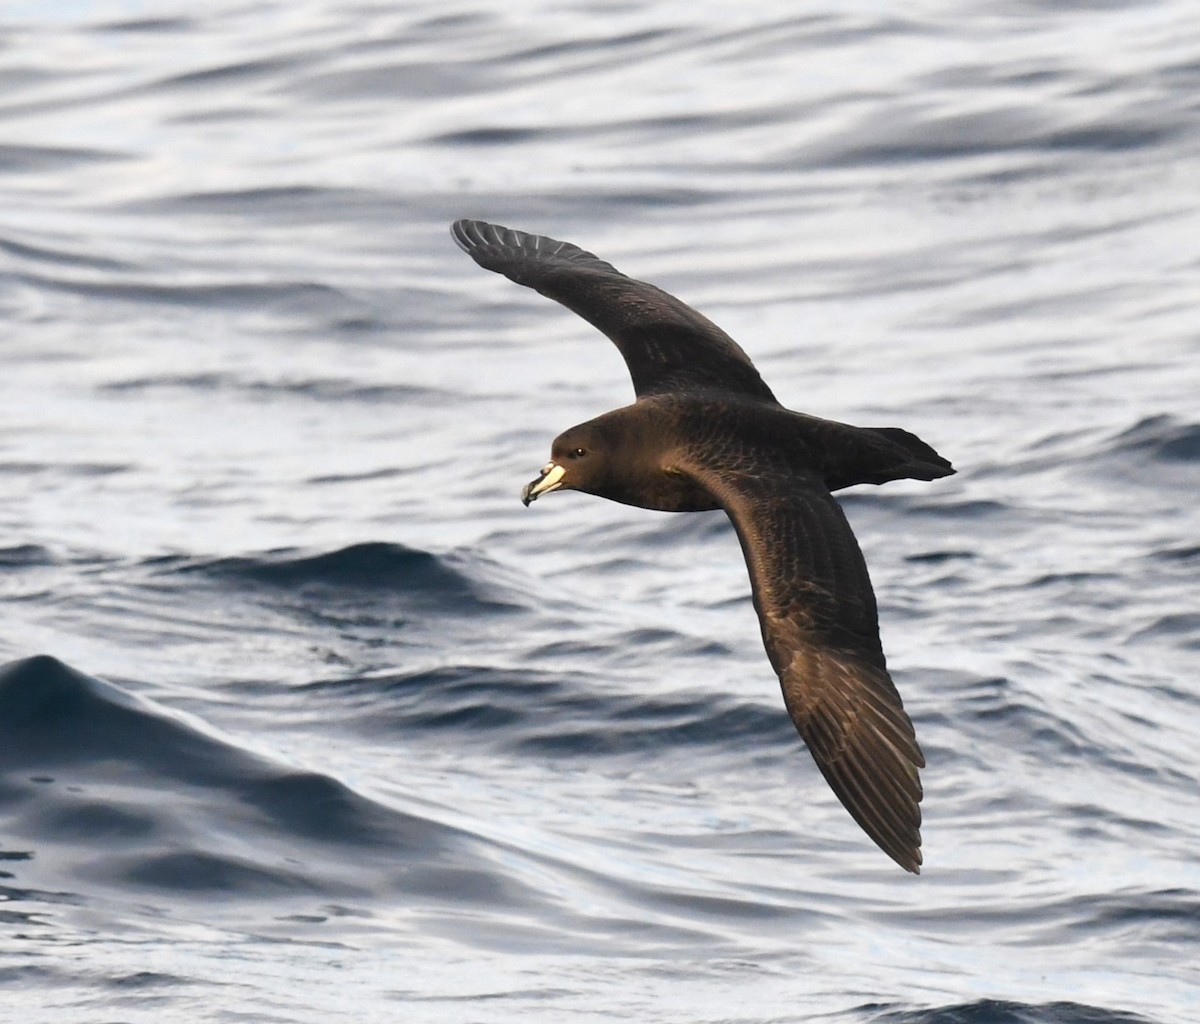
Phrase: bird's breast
[665,491]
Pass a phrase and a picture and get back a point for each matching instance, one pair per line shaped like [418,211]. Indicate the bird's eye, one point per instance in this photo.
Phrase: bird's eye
[578,453]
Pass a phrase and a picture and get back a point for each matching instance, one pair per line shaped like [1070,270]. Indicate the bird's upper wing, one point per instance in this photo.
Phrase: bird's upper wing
[821,630]
[666,344]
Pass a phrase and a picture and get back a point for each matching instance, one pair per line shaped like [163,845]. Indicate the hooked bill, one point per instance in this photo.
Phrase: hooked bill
[550,479]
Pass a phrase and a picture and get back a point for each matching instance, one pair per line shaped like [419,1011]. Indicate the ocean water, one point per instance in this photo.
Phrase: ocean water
[303,718]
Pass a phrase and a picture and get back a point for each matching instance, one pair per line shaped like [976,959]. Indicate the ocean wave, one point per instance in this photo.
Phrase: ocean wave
[1160,438]
[285,297]
[1000,1011]
[121,791]
[324,389]
[110,799]
[906,136]
[373,571]
[26,159]
[61,257]
[542,713]
[24,556]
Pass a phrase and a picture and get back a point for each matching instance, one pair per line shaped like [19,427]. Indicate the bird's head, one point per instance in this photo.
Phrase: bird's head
[580,460]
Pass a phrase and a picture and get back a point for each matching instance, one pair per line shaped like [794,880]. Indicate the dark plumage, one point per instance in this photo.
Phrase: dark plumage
[707,433]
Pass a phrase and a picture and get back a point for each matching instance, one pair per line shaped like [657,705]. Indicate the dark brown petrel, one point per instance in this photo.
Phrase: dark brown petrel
[705,433]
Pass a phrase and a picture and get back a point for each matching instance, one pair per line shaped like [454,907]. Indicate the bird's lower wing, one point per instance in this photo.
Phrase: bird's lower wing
[821,630]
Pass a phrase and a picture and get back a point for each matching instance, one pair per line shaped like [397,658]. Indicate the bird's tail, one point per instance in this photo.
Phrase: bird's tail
[921,462]
[875,455]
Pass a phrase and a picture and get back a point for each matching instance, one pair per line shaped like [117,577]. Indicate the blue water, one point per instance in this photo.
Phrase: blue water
[303,718]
